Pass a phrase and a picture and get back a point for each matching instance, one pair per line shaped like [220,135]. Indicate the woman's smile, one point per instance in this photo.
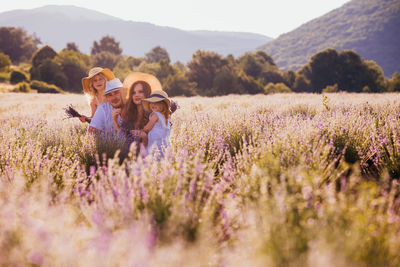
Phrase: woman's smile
[137,100]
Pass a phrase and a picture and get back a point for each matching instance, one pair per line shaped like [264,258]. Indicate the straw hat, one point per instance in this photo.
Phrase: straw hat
[139,76]
[94,71]
[156,96]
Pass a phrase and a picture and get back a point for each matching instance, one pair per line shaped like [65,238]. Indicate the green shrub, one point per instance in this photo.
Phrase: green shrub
[4,76]
[178,84]
[366,89]
[40,55]
[394,83]
[17,77]
[43,87]
[105,59]
[249,85]
[272,88]
[331,88]
[50,72]
[5,62]
[74,66]
[23,87]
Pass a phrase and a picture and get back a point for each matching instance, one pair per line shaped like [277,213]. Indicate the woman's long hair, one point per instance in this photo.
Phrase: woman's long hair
[131,112]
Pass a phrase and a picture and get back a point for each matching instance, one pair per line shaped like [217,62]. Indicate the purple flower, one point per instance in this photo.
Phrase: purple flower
[92,170]
[35,257]
[174,106]
[98,218]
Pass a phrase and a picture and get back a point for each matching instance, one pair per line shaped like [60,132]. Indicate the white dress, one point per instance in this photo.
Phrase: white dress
[158,137]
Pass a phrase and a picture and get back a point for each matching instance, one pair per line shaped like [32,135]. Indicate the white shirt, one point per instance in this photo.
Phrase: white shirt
[102,118]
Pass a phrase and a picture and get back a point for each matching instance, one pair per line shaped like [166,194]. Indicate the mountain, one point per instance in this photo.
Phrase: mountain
[57,25]
[370,27]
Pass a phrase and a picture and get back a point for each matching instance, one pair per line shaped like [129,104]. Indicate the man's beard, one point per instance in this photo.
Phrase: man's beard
[118,106]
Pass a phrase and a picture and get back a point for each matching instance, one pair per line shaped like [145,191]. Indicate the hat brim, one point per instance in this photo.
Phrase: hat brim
[86,81]
[139,76]
[112,90]
[146,102]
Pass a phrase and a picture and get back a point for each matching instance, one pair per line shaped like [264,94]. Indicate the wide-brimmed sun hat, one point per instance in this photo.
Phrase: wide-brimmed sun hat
[156,96]
[134,77]
[93,72]
[112,85]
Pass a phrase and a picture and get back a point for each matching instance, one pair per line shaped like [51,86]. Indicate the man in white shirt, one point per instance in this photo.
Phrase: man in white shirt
[102,121]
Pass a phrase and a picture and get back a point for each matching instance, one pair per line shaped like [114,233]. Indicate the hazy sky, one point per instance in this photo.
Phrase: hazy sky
[268,17]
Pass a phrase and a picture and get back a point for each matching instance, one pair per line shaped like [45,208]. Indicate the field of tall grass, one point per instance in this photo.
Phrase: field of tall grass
[278,180]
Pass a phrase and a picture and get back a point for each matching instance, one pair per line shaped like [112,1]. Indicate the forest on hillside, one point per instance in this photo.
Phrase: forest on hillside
[369,27]
[30,66]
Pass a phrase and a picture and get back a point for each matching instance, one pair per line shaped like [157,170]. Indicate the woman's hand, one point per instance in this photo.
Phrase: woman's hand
[135,133]
[141,135]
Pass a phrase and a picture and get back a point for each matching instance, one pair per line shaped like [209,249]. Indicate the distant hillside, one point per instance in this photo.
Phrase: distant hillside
[370,27]
[58,25]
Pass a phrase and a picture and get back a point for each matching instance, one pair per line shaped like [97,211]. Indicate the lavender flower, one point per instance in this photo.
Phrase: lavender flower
[71,112]
[174,106]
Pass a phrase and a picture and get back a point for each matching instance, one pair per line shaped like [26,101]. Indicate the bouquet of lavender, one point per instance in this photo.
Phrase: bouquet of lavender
[174,106]
[72,113]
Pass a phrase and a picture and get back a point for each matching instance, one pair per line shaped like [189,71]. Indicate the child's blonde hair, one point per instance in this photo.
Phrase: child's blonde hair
[93,92]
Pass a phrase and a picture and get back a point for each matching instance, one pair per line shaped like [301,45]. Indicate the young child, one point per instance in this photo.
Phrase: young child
[159,125]
[94,86]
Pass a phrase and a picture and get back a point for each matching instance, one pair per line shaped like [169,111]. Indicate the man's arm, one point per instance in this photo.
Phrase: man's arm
[96,125]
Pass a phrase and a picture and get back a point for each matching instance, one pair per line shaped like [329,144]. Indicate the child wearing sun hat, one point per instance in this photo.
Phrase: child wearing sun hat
[93,86]
[159,125]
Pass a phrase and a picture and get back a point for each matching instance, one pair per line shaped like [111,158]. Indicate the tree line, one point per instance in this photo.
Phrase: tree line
[207,74]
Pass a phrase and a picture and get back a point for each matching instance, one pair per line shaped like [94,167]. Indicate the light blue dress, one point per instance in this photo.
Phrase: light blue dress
[158,137]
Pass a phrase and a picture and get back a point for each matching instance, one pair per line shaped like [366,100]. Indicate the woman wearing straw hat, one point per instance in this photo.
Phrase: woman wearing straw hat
[94,86]
[137,86]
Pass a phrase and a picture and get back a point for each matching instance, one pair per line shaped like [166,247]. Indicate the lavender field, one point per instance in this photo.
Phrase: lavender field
[278,180]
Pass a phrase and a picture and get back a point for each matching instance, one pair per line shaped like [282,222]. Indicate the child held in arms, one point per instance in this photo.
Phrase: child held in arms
[159,125]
